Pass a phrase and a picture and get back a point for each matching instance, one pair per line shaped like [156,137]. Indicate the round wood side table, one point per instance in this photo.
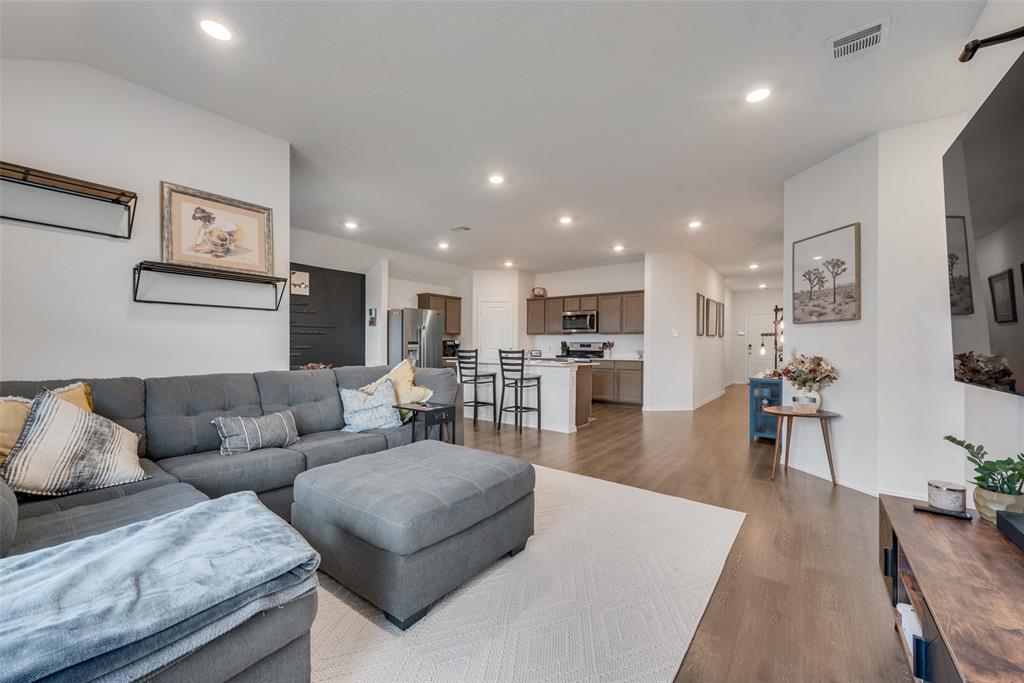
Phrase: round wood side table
[786,414]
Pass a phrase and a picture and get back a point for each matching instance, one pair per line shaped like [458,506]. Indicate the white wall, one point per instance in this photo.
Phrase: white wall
[669,331]
[744,303]
[619,277]
[709,353]
[899,356]
[66,297]
[404,293]
[841,190]
[377,294]
[681,370]
[914,345]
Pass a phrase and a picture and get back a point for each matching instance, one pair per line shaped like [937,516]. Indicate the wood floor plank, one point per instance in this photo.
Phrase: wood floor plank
[800,597]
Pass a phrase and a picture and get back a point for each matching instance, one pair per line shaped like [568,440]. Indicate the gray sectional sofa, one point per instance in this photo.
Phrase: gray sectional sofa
[179,447]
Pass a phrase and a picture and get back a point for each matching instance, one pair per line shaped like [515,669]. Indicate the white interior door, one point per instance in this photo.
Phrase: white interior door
[756,324]
[494,329]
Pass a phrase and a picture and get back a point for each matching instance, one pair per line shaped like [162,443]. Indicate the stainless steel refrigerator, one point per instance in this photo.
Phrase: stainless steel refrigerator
[415,333]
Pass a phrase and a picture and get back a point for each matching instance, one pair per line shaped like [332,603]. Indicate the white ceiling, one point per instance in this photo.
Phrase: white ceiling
[630,116]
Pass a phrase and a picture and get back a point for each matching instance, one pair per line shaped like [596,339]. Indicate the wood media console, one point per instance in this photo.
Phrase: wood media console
[965,581]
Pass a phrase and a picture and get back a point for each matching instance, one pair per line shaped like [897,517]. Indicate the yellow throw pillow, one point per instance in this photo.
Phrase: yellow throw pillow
[14,412]
[401,377]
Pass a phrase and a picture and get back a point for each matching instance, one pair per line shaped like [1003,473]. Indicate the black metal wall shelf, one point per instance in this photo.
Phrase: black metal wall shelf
[278,284]
[44,180]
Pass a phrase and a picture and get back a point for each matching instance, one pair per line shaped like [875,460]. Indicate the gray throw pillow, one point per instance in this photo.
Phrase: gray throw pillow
[370,410]
[243,434]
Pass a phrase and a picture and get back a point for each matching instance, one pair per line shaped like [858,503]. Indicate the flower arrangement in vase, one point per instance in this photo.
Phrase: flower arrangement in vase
[1000,483]
[809,374]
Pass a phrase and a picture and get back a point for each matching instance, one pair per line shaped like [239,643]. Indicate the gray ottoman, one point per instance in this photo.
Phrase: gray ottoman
[405,526]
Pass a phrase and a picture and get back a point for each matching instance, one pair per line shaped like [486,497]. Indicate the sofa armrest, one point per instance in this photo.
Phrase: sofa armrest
[8,518]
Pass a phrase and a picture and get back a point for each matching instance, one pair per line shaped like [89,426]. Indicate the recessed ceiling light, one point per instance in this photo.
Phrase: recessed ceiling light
[759,95]
[618,247]
[496,179]
[565,220]
[753,266]
[762,286]
[817,258]
[442,245]
[351,225]
[215,29]
[509,264]
[695,224]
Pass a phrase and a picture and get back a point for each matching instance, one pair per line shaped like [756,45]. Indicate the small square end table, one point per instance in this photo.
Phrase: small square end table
[432,414]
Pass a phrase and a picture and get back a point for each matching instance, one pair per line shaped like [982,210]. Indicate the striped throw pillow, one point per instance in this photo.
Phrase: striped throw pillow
[243,434]
[374,410]
[64,449]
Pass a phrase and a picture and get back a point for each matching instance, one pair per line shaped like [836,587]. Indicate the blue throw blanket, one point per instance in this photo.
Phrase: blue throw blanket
[123,604]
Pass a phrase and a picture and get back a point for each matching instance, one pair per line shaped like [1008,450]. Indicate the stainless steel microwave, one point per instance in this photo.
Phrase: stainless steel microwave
[579,322]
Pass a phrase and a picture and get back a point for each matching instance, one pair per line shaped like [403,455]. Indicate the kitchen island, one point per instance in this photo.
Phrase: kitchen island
[565,395]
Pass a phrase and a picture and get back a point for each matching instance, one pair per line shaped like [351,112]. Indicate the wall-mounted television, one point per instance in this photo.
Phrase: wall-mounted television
[984,183]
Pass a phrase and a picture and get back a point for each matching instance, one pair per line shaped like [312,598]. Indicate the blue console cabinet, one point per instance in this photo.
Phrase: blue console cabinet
[764,391]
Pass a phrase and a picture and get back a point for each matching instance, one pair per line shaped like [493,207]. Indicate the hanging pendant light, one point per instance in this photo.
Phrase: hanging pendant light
[762,347]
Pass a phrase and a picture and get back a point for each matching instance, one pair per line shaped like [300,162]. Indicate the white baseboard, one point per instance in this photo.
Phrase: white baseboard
[839,480]
[709,399]
[666,409]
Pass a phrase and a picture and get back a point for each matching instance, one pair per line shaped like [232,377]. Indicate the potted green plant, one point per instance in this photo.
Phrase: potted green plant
[1000,483]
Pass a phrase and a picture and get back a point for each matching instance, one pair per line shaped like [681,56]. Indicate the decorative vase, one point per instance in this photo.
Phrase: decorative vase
[806,401]
[989,502]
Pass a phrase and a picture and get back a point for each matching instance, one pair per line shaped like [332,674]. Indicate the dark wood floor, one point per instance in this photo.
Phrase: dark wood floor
[800,598]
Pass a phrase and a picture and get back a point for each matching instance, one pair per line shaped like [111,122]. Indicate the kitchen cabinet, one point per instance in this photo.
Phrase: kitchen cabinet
[535,316]
[633,313]
[609,314]
[452,316]
[629,382]
[451,306]
[617,312]
[553,316]
[603,384]
[618,381]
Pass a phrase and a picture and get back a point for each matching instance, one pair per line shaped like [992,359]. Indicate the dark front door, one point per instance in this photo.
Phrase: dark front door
[327,324]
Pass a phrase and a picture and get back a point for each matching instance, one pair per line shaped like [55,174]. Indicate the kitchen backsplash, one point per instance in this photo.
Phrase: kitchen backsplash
[626,345]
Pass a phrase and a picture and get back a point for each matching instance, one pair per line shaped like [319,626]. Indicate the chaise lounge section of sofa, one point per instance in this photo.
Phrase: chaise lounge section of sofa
[179,448]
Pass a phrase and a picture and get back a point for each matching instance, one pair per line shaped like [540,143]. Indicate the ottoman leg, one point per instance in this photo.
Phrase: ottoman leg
[408,622]
[516,551]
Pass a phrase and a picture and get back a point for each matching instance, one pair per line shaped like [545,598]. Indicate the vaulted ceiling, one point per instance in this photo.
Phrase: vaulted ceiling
[630,117]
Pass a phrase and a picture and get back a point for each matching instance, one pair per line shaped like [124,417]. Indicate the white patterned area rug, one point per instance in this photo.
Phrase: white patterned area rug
[611,587]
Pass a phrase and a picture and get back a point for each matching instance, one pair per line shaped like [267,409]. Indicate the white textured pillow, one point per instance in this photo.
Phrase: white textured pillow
[375,410]
[64,449]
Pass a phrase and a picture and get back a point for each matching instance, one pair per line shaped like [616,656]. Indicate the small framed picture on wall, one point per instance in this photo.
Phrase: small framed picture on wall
[700,314]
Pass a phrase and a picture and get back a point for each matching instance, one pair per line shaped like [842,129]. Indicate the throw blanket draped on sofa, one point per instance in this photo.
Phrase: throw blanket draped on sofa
[123,604]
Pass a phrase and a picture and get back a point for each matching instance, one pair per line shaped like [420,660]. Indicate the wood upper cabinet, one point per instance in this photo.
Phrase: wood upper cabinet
[453,316]
[633,313]
[535,316]
[451,306]
[609,314]
[621,313]
[553,316]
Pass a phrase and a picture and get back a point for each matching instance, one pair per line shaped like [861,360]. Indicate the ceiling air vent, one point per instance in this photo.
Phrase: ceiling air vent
[866,40]
[461,228]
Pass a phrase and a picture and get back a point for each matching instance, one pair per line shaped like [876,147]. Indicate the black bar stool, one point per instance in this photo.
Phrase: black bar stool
[469,374]
[513,364]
